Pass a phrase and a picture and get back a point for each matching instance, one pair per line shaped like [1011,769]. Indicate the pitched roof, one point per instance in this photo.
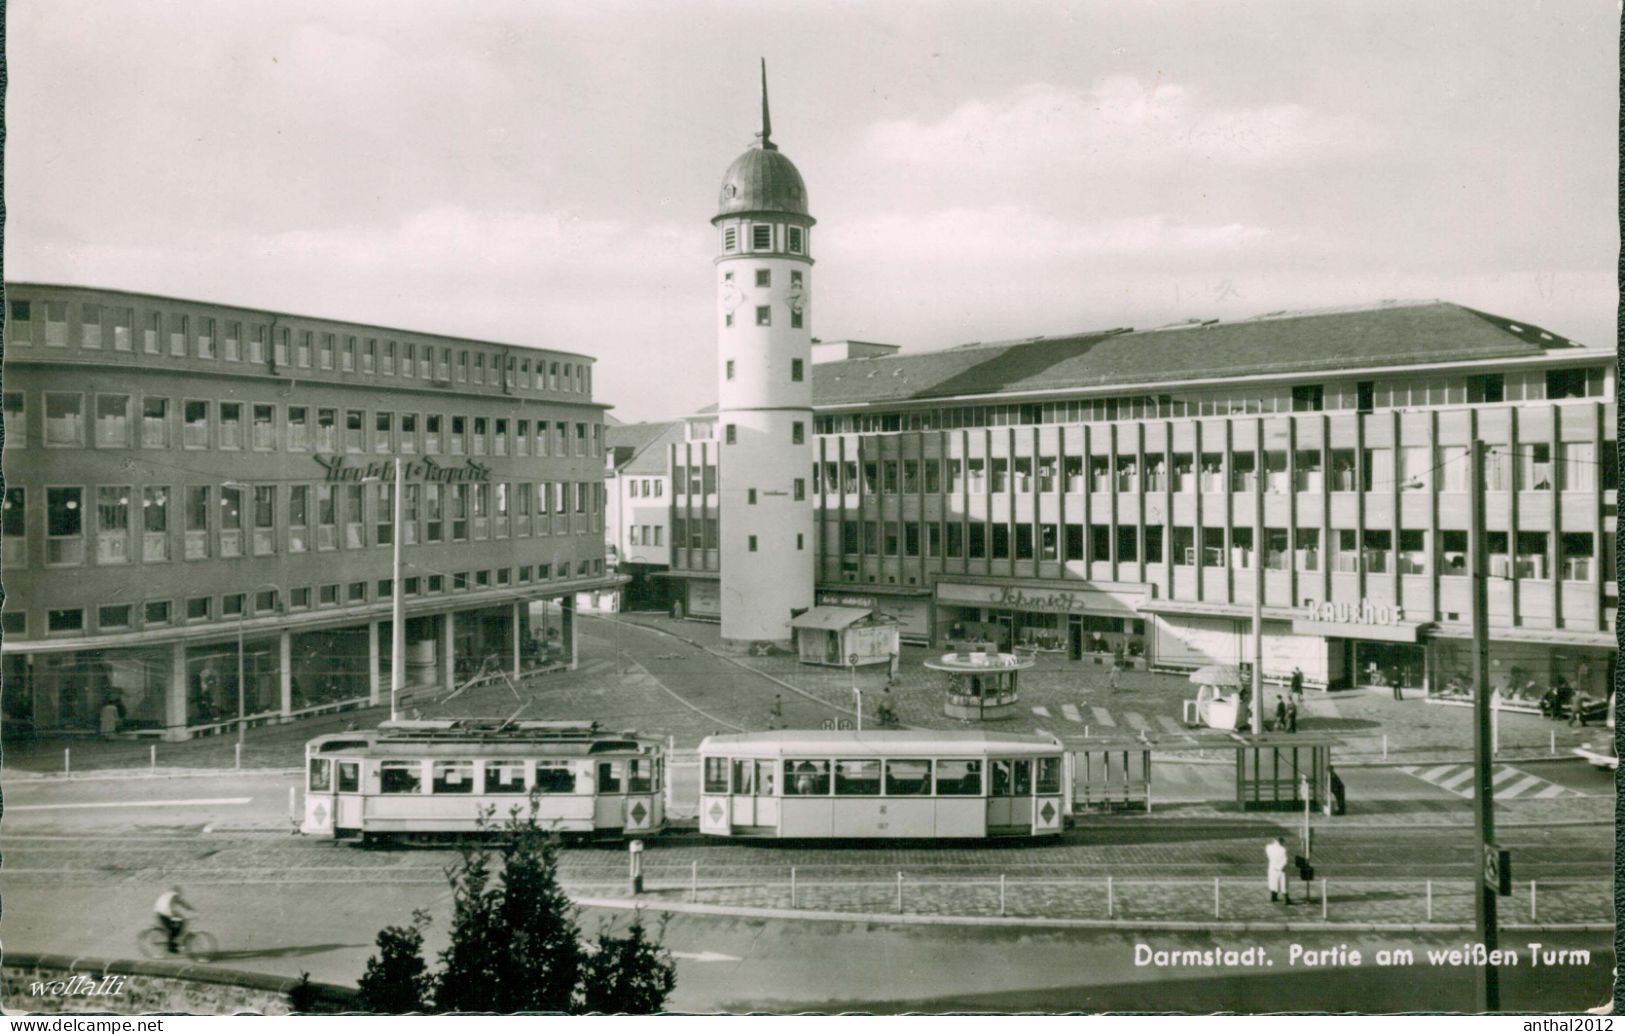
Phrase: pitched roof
[1392,334]
[642,448]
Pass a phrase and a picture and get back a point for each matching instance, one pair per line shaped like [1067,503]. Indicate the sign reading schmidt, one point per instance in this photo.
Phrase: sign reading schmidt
[424,469]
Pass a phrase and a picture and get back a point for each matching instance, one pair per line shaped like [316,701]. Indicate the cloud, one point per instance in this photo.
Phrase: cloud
[1118,124]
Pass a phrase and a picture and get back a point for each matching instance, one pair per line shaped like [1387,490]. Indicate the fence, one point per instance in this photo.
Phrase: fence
[1232,899]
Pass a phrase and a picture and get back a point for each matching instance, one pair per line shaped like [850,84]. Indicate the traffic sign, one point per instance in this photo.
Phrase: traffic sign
[1498,869]
[845,724]
[852,660]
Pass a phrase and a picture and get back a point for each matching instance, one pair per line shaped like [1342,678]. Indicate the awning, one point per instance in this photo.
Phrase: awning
[1394,632]
[829,619]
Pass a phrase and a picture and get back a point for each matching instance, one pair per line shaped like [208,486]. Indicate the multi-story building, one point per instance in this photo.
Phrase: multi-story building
[184,477]
[1119,491]
[637,531]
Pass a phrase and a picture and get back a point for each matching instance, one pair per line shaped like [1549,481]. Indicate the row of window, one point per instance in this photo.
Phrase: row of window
[704,532]
[797,369]
[761,237]
[633,775]
[233,520]
[118,421]
[1374,553]
[798,433]
[1532,466]
[647,488]
[182,336]
[1354,396]
[888,777]
[645,535]
[123,617]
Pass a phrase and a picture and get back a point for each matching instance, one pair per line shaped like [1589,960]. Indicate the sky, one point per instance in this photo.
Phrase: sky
[545,173]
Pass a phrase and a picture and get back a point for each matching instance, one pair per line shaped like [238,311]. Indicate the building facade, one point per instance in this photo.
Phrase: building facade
[637,514]
[184,477]
[764,390]
[1129,493]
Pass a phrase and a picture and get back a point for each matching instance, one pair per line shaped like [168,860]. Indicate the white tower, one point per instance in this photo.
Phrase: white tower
[764,382]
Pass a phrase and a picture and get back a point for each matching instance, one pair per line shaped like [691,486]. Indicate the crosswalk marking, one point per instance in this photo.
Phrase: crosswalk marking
[1168,723]
[1136,721]
[1042,712]
[1508,782]
[1102,716]
[1071,713]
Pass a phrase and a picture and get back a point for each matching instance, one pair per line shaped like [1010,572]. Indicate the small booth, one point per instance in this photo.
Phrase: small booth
[1274,771]
[844,636]
[982,683]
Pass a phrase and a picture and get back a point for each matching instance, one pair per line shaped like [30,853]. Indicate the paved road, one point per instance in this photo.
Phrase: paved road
[742,964]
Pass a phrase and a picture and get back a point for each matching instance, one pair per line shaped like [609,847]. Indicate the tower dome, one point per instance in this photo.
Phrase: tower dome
[762,179]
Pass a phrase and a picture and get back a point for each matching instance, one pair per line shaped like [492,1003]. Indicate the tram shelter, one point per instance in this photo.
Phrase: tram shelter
[1274,771]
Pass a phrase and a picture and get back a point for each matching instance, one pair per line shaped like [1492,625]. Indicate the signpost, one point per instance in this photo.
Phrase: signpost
[852,666]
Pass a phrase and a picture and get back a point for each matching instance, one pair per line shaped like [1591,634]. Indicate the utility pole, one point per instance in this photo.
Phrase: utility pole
[397,621]
[1489,981]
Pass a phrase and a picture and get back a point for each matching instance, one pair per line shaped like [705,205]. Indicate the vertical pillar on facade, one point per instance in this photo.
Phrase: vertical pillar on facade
[1326,506]
[1111,498]
[1292,596]
[285,670]
[1015,509]
[1141,477]
[1197,518]
[1554,537]
[1088,503]
[1599,439]
[1514,490]
[1394,498]
[448,633]
[175,703]
[567,618]
[1227,487]
[518,615]
[1359,503]
[1168,557]
[373,682]
[1435,552]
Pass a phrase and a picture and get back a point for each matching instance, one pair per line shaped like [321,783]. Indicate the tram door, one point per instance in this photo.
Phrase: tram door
[754,801]
[1010,796]
[347,803]
[318,798]
[607,805]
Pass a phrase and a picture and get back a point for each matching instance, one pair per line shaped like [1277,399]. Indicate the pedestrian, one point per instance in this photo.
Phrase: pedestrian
[1339,806]
[894,666]
[1280,713]
[775,714]
[1292,716]
[1275,858]
[1395,679]
[109,720]
[1114,678]
[1297,683]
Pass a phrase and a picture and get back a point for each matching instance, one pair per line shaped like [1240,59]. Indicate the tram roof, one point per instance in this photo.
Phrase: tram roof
[879,743]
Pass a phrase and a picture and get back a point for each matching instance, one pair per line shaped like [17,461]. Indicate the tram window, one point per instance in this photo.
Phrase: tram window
[765,771]
[609,777]
[1049,775]
[716,775]
[745,777]
[321,775]
[453,777]
[1024,777]
[1001,778]
[639,775]
[399,777]
[554,777]
[349,776]
[504,777]
[857,778]
[959,778]
[908,778]
[806,778]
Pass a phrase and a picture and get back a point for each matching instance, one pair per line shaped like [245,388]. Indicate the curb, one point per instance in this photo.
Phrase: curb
[1039,922]
[15,776]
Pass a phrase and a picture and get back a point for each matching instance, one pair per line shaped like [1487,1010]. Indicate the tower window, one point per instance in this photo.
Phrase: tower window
[796,240]
[728,319]
[750,496]
[761,237]
[800,543]
[795,369]
[728,369]
[753,543]
[799,489]
[730,434]
[730,238]
[764,315]
[798,433]
[764,278]
[795,319]
[795,278]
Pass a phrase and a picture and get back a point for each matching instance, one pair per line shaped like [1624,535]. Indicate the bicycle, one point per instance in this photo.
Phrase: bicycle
[196,945]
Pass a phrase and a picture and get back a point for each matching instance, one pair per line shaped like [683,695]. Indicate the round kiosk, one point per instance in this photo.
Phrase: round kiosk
[981,682]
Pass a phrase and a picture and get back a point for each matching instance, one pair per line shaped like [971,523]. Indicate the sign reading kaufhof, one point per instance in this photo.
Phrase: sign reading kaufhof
[1364,612]
[424,469]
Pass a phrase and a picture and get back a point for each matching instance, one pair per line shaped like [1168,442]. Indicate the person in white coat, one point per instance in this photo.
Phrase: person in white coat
[1276,857]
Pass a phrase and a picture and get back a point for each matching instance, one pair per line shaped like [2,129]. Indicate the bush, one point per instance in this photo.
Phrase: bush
[397,980]
[629,974]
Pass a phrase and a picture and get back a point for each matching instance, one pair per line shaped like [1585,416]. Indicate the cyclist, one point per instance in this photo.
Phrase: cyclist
[169,907]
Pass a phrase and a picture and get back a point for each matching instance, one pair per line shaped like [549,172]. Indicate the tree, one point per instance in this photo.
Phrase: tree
[397,980]
[628,974]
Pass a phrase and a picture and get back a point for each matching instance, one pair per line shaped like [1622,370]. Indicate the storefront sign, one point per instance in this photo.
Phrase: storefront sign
[1364,612]
[705,598]
[841,599]
[424,469]
[1053,601]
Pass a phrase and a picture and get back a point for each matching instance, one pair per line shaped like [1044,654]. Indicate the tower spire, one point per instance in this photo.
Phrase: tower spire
[767,121]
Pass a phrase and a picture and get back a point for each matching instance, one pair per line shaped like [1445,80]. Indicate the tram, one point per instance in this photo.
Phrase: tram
[883,785]
[423,779]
